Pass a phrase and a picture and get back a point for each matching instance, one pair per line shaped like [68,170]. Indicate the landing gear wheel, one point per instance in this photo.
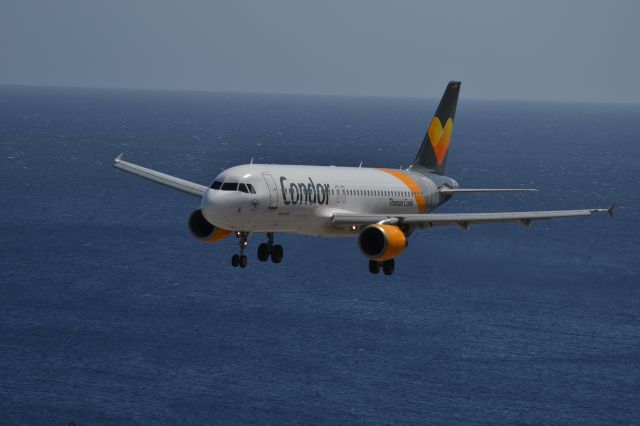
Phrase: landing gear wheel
[388,266]
[277,252]
[374,266]
[263,252]
[240,259]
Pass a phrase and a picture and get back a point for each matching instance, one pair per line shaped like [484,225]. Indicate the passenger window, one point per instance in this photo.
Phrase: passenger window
[243,188]
[251,188]
[216,184]
[229,186]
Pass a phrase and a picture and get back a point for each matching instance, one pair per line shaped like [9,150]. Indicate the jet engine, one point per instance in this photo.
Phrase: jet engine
[382,242]
[205,231]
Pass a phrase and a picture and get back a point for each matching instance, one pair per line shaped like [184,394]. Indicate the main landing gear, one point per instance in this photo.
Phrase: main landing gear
[388,266]
[265,251]
[268,249]
[241,259]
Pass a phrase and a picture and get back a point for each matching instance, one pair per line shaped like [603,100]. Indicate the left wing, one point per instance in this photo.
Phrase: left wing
[460,219]
[162,178]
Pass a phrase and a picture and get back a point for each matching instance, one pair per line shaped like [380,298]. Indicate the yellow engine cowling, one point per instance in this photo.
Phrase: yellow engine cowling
[382,242]
[205,231]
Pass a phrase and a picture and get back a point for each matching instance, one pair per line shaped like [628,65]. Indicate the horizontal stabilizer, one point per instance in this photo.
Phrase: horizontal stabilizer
[445,190]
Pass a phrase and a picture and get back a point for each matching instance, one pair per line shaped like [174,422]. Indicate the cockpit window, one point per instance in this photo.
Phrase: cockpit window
[233,186]
[230,186]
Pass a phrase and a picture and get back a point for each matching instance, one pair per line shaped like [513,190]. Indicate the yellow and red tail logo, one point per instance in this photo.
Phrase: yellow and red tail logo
[440,137]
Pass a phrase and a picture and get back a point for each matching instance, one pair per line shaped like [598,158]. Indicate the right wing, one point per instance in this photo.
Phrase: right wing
[168,180]
[462,220]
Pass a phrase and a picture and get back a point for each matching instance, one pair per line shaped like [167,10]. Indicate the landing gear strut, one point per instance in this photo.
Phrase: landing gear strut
[241,259]
[268,249]
[388,266]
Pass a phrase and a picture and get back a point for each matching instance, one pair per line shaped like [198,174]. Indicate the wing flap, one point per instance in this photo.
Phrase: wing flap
[161,178]
[445,190]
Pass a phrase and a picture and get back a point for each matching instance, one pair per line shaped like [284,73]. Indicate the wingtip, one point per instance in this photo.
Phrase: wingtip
[606,210]
[118,158]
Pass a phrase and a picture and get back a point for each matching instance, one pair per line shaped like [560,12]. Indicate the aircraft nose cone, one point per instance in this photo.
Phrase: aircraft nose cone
[211,207]
[219,207]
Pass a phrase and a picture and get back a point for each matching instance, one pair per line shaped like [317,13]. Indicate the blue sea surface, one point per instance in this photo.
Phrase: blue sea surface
[111,313]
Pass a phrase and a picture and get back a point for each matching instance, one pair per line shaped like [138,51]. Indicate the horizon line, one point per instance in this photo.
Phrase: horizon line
[306,94]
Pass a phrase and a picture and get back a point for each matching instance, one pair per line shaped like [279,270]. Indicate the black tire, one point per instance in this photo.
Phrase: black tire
[263,252]
[388,266]
[243,261]
[277,253]
[235,260]
[374,266]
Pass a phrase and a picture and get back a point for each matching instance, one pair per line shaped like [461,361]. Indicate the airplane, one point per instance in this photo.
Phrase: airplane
[382,207]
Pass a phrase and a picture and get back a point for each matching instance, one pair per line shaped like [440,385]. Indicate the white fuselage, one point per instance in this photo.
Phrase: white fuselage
[302,199]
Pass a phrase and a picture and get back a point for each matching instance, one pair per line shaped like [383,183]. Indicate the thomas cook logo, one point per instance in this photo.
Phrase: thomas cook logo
[440,137]
[254,205]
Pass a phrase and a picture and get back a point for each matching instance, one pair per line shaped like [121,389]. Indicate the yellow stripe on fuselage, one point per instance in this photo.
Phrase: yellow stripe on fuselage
[413,186]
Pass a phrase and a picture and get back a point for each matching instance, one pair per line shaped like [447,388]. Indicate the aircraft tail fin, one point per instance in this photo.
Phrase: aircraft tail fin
[432,155]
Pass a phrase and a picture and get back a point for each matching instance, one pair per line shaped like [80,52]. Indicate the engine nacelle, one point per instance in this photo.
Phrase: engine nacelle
[382,242]
[205,231]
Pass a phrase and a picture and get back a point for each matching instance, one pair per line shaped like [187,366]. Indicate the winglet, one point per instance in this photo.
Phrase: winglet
[118,158]
[610,210]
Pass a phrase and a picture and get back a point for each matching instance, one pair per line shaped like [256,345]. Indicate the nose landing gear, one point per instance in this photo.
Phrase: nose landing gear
[241,259]
[268,249]
[388,266]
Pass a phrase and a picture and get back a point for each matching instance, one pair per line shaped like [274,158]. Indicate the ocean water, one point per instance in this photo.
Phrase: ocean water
[111,313]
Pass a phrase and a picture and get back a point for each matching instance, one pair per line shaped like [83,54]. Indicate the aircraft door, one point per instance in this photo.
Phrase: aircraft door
[273,190]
